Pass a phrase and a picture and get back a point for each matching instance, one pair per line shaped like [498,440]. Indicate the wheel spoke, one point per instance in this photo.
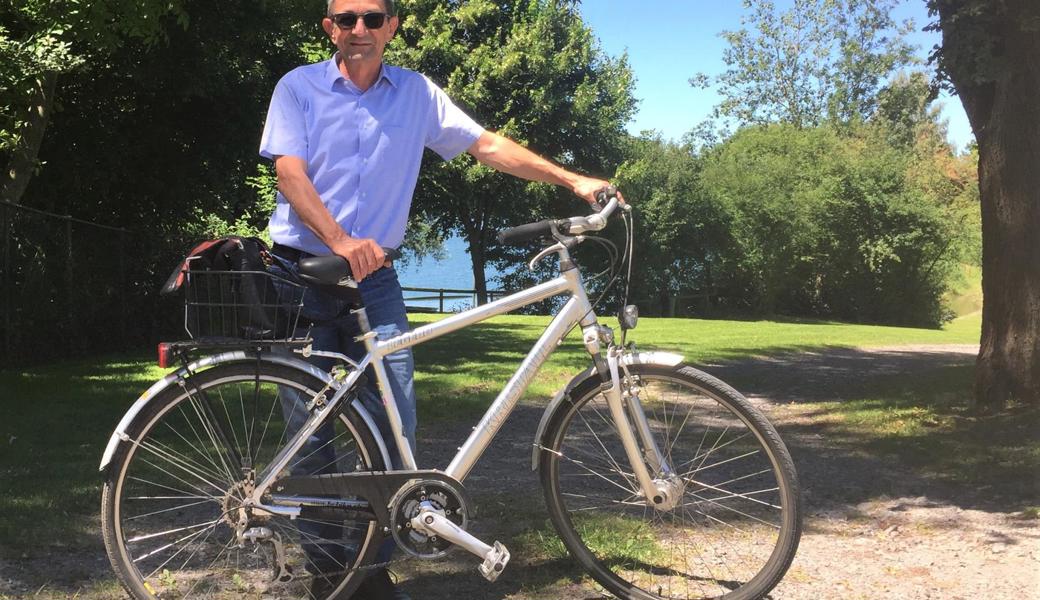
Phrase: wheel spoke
[178,492]
[708,539]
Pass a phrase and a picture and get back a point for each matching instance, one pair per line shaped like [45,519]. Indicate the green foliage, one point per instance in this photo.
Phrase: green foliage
[161,141]
[252,221]
[680,228]
[182,119]
[976,57]
[530,70]
[847,226]
[38,37]
[820,60]
[869,222]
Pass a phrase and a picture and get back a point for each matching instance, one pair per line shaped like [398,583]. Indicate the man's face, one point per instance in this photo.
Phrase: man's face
[360,43]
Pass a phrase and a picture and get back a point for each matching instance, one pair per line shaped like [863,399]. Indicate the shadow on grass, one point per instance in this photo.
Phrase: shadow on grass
[526,579]
[57,422]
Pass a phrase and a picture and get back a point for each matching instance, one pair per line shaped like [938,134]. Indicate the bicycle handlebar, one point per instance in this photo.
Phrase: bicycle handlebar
[607,199]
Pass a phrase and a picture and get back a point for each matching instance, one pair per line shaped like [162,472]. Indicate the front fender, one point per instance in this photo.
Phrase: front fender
[120,436]
[641,358]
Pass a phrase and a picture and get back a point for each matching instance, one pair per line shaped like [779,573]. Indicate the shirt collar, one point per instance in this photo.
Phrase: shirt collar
[332,74]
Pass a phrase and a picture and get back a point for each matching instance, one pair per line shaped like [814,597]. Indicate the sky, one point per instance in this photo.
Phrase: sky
[669,42]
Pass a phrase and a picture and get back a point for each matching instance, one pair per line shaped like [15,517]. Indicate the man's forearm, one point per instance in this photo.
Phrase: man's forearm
[364,255]
[503,154]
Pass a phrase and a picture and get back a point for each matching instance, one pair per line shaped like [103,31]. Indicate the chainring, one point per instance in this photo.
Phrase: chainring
[443,498]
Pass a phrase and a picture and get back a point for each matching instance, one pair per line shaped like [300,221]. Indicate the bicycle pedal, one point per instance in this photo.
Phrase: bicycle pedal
[494,562]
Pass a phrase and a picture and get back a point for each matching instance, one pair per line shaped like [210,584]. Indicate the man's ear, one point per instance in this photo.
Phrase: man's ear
[328,26]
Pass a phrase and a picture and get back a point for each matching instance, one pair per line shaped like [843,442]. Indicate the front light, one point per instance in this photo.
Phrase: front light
[629,317]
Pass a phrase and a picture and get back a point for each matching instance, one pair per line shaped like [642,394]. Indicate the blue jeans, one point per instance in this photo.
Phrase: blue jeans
[334,330]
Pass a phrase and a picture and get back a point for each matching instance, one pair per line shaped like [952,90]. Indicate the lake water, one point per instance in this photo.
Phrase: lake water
[454,272]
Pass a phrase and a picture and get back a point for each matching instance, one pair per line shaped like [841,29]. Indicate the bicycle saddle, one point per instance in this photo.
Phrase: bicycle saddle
[326,270]
[334,269]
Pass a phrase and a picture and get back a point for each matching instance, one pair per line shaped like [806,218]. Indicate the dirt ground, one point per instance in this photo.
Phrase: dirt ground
[873,528]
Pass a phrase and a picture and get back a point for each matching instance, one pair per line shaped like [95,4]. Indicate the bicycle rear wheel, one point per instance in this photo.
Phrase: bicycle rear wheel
[173,519]
[735,529]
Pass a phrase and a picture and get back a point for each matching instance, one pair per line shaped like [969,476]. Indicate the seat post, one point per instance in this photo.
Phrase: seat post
[362,318]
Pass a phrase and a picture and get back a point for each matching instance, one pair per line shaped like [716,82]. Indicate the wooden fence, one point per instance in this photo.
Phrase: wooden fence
[441,295]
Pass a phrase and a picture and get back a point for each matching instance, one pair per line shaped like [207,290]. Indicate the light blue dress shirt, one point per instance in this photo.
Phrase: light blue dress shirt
[363,149]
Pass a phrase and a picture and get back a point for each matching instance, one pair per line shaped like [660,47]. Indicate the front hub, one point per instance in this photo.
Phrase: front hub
[670,492]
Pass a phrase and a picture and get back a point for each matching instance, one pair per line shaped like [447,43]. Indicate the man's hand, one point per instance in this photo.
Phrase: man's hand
[364,255]
[587,187]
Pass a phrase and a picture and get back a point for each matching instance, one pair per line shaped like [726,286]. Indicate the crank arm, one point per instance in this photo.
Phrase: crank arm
[495,557]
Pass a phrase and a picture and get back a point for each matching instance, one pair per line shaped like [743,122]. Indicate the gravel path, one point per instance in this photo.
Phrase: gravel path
[873,529]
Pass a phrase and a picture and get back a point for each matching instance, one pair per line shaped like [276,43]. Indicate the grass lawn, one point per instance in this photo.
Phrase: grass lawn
[465,371]
[59,417]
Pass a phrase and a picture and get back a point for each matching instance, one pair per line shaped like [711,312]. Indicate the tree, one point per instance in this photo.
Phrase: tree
[683,233]
[531,70]
[990,55]
[839,224]
[41,40]
[159,138]
[820,60]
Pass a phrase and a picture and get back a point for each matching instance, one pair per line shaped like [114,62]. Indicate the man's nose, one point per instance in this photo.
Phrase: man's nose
[359,27]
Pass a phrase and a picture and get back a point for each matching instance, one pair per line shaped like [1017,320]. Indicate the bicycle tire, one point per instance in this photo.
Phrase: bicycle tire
[730,459]
[169,498]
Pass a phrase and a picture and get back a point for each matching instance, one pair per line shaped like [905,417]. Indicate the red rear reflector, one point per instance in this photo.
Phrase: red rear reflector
[165,356]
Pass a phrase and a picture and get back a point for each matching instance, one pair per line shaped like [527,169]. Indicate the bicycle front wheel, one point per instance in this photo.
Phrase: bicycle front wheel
[174,519]
[731,534]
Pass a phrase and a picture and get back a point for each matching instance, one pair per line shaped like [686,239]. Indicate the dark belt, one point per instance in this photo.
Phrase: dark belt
[292,254]
[288,253]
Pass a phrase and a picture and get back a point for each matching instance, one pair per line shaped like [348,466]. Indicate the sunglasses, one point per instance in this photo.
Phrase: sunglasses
[347,20]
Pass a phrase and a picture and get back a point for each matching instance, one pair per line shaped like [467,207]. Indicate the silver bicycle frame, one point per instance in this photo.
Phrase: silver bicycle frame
[576,310]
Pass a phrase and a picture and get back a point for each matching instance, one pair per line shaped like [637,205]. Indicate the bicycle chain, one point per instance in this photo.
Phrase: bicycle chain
[345,572]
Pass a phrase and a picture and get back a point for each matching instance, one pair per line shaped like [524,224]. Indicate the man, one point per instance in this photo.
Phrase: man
[346,136]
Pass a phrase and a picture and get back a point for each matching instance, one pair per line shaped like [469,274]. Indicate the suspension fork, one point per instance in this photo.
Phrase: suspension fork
[635,432]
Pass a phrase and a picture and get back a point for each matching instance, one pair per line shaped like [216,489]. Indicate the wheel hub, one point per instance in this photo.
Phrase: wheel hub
[670,490]
[237,511]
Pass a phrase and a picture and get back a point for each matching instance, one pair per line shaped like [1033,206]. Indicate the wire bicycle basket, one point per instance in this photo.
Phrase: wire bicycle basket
[237,306]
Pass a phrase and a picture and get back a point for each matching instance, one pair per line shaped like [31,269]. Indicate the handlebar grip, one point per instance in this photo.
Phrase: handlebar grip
[524,233]
[604,196]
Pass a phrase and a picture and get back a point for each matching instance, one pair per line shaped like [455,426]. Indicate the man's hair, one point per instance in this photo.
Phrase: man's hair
[391,7]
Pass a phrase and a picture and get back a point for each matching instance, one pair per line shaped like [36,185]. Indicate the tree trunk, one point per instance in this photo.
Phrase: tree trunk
[479,259]
[1005,116]
[24,157]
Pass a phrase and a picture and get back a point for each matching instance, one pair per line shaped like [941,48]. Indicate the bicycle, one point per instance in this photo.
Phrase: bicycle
[661,480]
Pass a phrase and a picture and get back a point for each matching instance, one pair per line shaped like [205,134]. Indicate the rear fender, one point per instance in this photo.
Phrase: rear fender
[119,436]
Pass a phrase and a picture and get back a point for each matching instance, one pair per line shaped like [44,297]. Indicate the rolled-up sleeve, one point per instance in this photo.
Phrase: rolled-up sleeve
[450,131]
[285,131]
